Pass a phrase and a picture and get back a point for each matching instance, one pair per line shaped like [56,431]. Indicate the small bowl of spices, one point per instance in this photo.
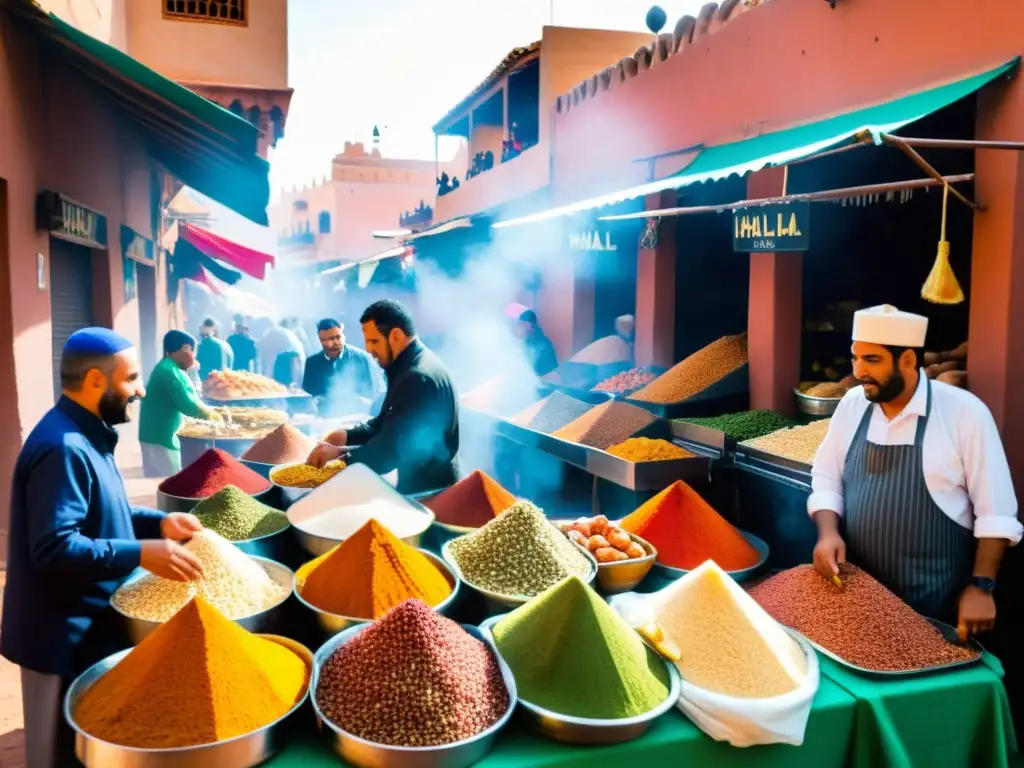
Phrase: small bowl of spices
[297,479]
[584,676]
[516,556]
[367,575]
[411,689]
[211,472]
[250,525]
[623,559]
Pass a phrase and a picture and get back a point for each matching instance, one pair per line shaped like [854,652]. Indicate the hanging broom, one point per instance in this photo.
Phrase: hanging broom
[942,287]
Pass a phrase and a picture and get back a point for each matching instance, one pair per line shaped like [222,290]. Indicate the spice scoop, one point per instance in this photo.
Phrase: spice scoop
[654,638]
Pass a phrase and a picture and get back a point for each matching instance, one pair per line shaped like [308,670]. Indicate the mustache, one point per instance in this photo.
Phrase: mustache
[863,382]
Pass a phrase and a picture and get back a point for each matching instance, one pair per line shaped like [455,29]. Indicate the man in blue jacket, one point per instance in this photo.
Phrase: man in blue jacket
[74,537]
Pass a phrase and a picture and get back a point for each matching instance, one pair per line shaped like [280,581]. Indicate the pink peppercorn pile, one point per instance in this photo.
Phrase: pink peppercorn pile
[412,679]
[627,381]
[863,622]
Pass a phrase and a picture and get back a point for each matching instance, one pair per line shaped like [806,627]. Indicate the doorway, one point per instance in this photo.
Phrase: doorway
[71,305]
[145,276]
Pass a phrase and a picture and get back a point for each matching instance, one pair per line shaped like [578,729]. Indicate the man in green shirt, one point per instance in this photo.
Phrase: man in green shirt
[170,395]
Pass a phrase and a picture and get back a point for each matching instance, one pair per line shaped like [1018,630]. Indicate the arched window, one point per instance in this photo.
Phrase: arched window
[221,11]
[324,223]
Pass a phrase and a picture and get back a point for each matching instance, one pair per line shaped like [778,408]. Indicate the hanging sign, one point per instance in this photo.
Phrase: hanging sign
[772,227]
[67,220]
[591,241]
[136,247]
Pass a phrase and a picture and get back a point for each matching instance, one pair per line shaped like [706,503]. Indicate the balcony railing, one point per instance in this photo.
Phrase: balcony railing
[419,216]
[500,184]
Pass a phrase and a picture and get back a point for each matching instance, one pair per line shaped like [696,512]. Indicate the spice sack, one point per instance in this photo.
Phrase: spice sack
[745,679]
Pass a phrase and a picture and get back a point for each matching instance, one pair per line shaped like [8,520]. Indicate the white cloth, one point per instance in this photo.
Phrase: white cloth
[887,325]
[42,707]
[965,466]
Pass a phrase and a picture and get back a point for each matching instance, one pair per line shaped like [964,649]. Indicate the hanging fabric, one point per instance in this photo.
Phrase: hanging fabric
[251,262]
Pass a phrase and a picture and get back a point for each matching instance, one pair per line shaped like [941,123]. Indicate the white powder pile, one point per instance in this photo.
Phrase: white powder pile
[232,582]
[347,501]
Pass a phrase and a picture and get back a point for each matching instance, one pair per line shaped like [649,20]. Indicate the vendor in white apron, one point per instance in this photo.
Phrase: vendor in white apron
[911,482]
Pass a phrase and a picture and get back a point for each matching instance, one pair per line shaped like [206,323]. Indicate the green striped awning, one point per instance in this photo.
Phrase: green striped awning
[785,146]
[204,145]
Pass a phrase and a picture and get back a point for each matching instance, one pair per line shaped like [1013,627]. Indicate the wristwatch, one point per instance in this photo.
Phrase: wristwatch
[984,584]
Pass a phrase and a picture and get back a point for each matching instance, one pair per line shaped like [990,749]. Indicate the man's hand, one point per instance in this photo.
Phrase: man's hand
[338,437]
[180,526]
[213,415]
[977,612]
[829,552]
[324,453]
[169,560]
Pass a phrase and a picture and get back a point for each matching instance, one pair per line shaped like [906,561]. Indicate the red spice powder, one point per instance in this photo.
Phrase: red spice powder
[284,445]
[472,502]
[686,531]
[210,473]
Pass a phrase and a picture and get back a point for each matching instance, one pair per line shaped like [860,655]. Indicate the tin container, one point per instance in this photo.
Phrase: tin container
[498,603]
[317,545]
[140,629]
[816,406]
[245,751]
[165,502]
[330,624]
[668,573]
[589,731]
[367,754]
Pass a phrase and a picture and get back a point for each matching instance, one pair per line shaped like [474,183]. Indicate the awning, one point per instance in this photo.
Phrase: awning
[204,145]
[390,253]
[786,146]
[252,263]
[462,222]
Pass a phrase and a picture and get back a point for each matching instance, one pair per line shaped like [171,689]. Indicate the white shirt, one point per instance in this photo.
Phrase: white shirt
[965,467]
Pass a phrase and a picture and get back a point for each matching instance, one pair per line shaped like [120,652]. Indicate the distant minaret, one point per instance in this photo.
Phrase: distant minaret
[376,141]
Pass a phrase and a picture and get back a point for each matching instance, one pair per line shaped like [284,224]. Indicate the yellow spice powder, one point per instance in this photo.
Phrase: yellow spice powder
[647,449]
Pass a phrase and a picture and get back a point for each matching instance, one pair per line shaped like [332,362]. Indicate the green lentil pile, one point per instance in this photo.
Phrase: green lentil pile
[745,425]
[237,516]
[519,554]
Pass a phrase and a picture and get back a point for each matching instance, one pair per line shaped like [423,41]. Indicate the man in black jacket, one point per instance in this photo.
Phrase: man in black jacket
[417,431]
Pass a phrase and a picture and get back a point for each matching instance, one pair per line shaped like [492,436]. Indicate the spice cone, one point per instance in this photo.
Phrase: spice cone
[942,287]
[472,502]
[198,679]
[370,573]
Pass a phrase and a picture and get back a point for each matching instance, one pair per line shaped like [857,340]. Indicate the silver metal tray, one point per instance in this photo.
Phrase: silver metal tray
[368,754]
[584,730]
[244,751]
[331,624]
[947,631]
[816,406]
[668,572]
[498,603]
[140,629]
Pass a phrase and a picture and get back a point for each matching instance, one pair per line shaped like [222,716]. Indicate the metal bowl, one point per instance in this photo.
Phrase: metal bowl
[288,494]
[258,467]
[622,576]
[585,730]
[368,754]
[165,502]
[244,751]
[140,629]
[498,603]
[317,545]
[816,406]
[269,547]
[668,572]
[331,624]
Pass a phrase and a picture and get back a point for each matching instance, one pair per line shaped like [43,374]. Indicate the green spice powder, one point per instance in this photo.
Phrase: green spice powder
[237,516]
[571,653]
[745,425]
[518,553]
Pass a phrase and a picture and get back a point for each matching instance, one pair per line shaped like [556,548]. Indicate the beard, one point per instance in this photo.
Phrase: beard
[386,358]
[114,409]
[890,390]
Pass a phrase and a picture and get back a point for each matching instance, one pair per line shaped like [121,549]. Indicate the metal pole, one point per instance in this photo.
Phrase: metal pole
[924,165]
[958,143]
[831,194]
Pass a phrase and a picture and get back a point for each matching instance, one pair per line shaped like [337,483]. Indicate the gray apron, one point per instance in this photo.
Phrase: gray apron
[895,531]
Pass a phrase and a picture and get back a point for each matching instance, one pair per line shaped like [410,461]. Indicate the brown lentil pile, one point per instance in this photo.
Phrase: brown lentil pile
[519,554]
[412,679]
[606,425]
[697,372]
[862,622]
[796,443]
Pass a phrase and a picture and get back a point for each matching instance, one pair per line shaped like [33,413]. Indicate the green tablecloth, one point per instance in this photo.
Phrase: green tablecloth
[673,740]
[953,719]
[943,719]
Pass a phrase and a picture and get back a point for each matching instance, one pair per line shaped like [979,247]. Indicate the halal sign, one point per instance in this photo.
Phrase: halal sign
[591,241]
[772,227]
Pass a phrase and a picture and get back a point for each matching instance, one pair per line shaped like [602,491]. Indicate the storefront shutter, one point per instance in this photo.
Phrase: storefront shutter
[70,296]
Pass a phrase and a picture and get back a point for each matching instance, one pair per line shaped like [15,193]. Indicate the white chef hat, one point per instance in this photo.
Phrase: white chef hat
[888,326]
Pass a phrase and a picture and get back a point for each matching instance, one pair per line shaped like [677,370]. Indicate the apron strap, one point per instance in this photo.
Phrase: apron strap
[922,421]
